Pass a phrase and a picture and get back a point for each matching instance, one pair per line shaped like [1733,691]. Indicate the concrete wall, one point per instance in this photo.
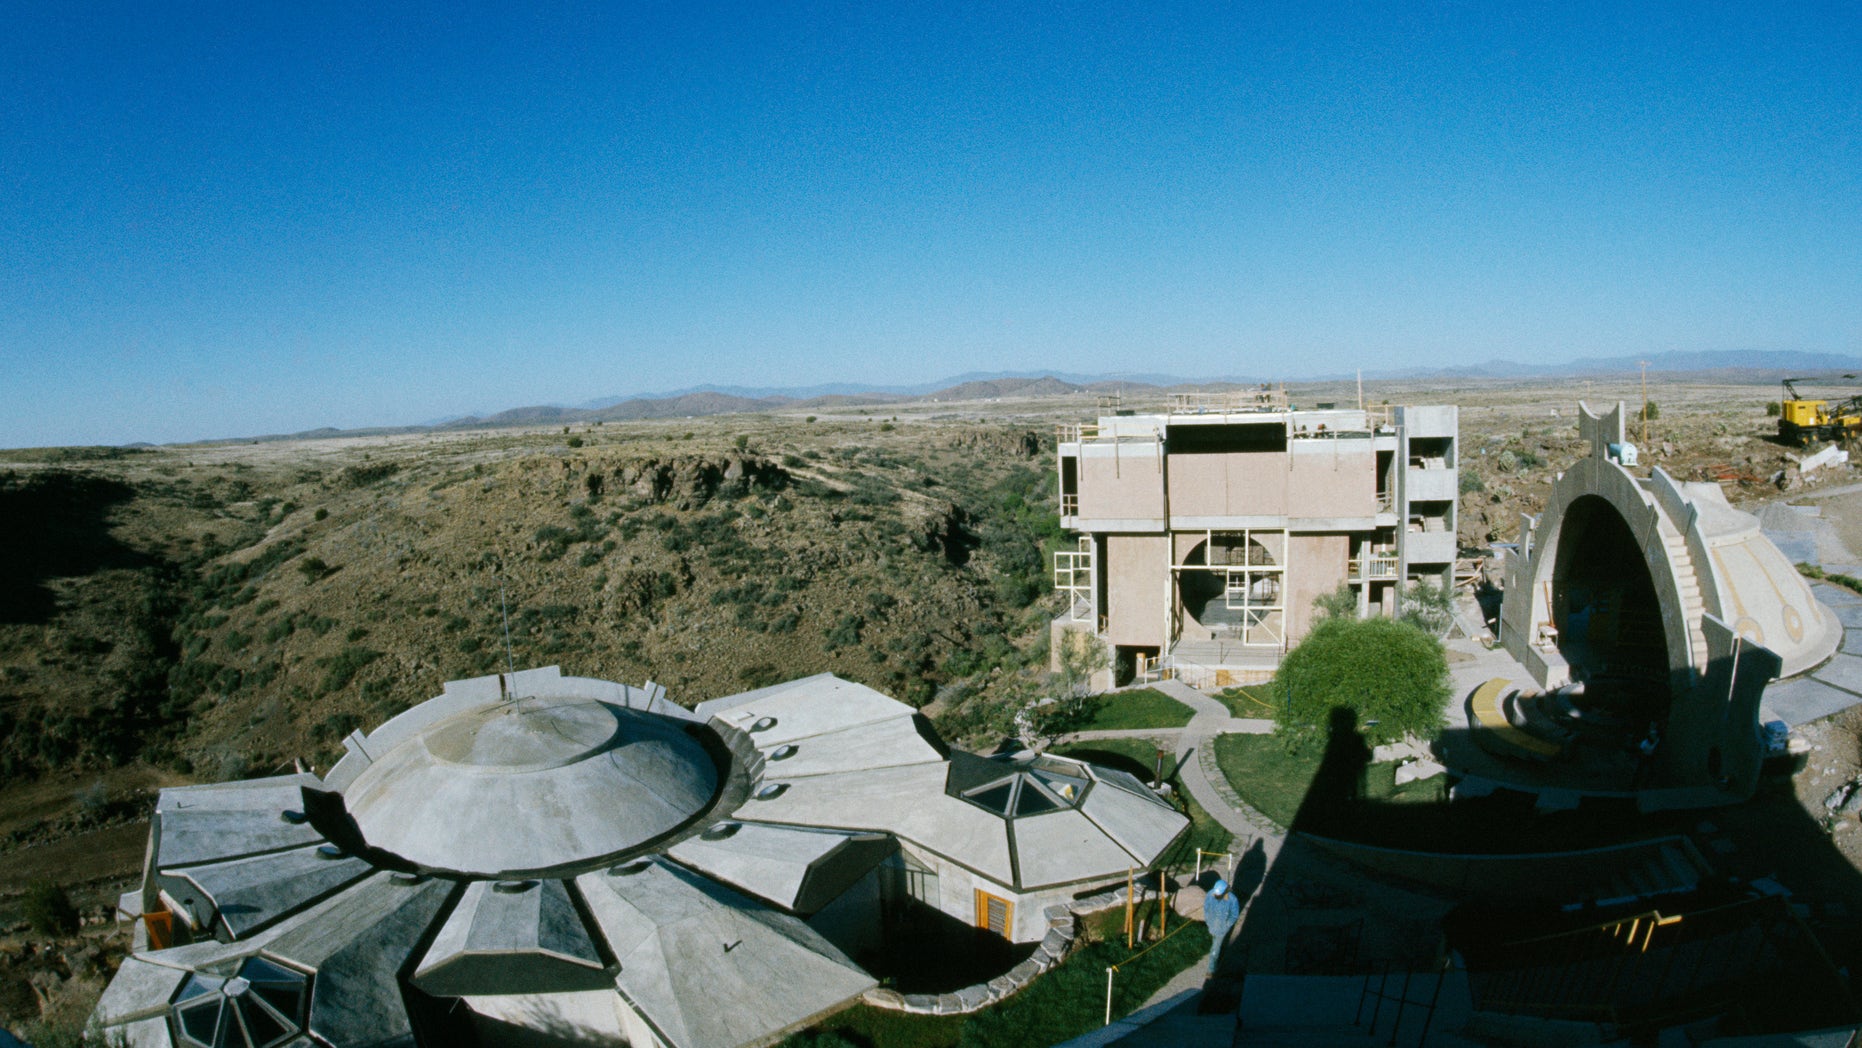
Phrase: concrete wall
[1332,479]
[1137,588]
[1121,482]
[1437,420]
[957,888]
[1313,479]
[1316,565]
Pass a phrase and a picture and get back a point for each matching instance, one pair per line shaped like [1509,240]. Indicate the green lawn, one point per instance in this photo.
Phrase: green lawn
[1274,782]
[1255,701]
[1067,1001]
[1139,708]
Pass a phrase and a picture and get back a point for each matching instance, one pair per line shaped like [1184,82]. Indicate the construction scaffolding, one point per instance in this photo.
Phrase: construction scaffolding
[1248,568]
[1073,578]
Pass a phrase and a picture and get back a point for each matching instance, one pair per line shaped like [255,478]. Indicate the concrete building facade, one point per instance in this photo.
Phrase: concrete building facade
[1207,530]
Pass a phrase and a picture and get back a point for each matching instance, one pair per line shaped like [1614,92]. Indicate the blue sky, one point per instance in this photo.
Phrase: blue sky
[234,219]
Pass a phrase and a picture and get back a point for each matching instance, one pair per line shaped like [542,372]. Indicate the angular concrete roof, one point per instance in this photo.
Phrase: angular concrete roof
[513,937]
[521,792]
[532,784]
[708,967]
[800,870]
[248,893]
[890,775]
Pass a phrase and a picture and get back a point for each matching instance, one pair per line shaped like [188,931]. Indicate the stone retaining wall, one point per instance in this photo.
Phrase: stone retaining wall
[1063,926]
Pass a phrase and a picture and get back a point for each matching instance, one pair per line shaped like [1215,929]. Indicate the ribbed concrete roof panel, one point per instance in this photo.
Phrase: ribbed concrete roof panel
[906,801]
[251,892]
[1140,823]
[710,968]
[806,707]
[882,744]
[512,937]
[797,869]
[1065,846]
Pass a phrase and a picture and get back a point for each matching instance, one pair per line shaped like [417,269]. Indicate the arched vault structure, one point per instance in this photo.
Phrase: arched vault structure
[1606,535]
[1665,585]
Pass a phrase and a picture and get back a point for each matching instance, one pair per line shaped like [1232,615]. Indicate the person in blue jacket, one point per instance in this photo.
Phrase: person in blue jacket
[1220,912]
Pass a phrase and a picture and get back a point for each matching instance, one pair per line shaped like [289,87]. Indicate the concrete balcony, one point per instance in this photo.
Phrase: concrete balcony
[1432,485]
[1430,547]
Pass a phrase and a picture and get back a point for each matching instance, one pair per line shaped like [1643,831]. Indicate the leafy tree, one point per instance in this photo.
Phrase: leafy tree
[1390,672]
[1341,603]
[1651,410]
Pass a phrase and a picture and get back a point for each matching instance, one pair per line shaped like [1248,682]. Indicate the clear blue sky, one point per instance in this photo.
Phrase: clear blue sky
[233,219]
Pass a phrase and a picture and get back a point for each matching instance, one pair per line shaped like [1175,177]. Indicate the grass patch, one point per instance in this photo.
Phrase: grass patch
[1848,582]
[1255,701]
[1064,1003]
[1274,780]
[1129,710]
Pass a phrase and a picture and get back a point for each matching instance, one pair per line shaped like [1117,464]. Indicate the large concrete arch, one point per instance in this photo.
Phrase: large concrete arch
[1704,558]
[1733,613]
[1531,621]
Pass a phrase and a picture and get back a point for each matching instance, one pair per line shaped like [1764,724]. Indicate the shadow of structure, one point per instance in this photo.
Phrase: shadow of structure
[55,524]
[1495,922]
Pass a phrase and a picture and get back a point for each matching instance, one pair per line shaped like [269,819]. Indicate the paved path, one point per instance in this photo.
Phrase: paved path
[1170,1016]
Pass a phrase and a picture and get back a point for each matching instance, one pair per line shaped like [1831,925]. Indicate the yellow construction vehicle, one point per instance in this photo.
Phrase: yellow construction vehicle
[1802,421]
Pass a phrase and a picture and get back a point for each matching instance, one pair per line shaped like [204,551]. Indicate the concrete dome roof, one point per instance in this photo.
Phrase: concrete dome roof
[532,784]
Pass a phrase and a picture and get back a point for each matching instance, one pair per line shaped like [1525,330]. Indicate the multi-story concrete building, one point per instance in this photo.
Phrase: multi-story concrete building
[1208,529]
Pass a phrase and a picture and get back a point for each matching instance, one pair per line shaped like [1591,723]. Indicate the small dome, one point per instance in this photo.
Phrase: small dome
[532,784]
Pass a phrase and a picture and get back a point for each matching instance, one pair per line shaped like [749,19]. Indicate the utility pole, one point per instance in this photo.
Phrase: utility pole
[1644,365]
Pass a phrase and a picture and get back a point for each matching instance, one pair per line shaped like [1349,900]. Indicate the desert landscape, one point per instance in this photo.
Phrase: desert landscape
[232,609]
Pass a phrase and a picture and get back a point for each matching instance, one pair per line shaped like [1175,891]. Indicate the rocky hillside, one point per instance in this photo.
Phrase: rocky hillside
[226,618]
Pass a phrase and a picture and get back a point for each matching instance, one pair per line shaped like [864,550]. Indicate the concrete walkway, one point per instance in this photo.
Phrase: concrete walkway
[1170,1016]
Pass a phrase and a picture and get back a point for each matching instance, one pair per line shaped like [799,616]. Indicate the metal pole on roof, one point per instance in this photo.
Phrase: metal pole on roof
[504,608]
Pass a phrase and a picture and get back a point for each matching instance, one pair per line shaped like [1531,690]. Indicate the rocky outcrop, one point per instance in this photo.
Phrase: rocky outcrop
[689,482]
[941,527]
[1026,443]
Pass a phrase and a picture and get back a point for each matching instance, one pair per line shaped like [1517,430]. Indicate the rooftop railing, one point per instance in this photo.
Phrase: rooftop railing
[1229,402]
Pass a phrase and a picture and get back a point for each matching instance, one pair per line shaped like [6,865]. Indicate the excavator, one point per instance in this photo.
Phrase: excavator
[1804,421]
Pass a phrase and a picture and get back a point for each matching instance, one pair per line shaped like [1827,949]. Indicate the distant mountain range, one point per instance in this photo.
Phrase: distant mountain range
[978,386]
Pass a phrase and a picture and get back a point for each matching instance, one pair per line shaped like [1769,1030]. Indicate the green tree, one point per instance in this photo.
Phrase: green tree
[1341,603]
[1391,673]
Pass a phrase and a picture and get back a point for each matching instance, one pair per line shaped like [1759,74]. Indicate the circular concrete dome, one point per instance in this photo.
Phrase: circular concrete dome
[532,784]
